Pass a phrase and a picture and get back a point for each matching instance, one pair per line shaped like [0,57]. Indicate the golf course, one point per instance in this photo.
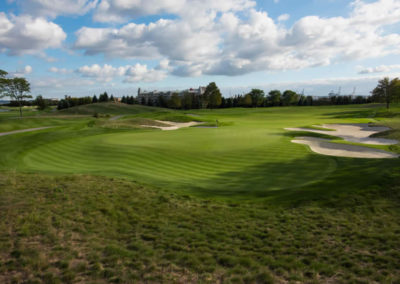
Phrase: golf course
[102,193]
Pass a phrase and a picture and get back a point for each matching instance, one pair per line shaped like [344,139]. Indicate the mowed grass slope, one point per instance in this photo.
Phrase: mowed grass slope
[108,108]
[238,203]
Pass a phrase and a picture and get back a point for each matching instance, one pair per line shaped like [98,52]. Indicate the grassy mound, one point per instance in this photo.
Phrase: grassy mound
[132,123]
[108,108]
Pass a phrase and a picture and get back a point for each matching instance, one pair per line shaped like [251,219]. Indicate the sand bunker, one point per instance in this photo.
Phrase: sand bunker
[323,146]
[173,125]
[358,133]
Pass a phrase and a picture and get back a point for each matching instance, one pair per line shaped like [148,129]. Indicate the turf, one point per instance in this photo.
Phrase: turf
[89,201]
[108,108]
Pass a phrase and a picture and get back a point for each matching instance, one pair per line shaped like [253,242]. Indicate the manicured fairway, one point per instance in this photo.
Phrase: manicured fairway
[251,156]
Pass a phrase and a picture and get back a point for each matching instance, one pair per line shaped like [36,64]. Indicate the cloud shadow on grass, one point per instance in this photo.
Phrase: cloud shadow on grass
[343,177]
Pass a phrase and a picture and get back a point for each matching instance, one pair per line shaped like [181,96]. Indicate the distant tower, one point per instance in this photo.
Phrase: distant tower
[138,91]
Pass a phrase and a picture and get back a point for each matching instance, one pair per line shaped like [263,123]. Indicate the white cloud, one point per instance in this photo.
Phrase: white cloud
[194,10]
[131,73]
[23,71]
[283,17]
[46,84]
[140,73]
[60,70]
[53,8]
[214,39]
[378,69]
[27,35]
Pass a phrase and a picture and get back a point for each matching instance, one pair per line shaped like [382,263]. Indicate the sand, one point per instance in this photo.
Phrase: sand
[323,146]
[358,133]
[24,130]
[173,125]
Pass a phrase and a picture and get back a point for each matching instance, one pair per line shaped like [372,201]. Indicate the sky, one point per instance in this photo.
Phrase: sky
[84,47]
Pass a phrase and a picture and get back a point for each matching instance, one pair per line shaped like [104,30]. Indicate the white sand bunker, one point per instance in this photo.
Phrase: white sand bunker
[172,125]
[324,147]
[358,133]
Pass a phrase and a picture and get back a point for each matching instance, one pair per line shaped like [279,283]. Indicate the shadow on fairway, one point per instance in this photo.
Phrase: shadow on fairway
[348,177]
[365,113]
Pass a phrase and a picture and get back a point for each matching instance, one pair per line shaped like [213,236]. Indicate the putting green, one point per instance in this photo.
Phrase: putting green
[225,160]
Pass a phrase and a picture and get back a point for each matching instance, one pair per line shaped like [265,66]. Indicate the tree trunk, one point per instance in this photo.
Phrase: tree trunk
[20,109]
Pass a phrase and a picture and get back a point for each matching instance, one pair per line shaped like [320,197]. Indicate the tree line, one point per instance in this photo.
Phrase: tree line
[386,91]
[69,101]
[212,98]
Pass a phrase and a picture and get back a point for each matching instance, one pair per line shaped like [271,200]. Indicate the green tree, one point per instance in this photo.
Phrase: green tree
[40,102]
[257,97]
[215,99]
[103,97]
[3,82]
[16,89]
[387,91]
[175,101]
[274,97]
[290,98]
[187,100]
[94,99]
[247,101]
[212,96]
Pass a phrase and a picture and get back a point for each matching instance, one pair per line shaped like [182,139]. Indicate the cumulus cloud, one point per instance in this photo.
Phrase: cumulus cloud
[140,73]
[378,69]
[53,8]
[211,38]
[27,35]
[283,17]
[131,73]
[195,10]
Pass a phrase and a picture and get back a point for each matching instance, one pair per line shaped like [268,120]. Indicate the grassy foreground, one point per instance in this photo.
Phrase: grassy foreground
[89,202]
[92,229]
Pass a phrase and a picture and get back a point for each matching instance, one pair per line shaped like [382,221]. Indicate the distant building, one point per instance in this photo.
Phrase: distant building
[145,97]
[198,91]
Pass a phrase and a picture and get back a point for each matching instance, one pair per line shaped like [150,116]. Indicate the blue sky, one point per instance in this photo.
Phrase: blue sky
[85,47]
